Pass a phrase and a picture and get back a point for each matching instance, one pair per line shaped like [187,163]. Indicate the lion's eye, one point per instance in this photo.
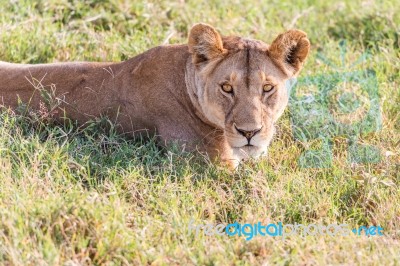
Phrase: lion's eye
[268,88]
[227,88]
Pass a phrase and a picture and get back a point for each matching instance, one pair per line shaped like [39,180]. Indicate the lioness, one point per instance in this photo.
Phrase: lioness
[220,95]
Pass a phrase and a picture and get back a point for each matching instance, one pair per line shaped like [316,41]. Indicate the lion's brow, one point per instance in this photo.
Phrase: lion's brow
[248,67]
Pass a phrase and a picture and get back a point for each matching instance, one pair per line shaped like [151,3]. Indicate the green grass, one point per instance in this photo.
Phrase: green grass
[88,196]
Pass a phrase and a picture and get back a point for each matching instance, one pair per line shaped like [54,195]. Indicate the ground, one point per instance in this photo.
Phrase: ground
[73,196]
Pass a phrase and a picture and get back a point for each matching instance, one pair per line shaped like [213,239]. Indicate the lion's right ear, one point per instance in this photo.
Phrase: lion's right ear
[205,43]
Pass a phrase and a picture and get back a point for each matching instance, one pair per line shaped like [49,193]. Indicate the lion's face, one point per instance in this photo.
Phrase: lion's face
[244,95]
[240,84]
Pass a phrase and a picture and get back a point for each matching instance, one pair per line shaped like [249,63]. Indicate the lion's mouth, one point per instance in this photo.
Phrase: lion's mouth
[247,146]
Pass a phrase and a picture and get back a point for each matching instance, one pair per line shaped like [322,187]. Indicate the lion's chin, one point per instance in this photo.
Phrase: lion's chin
[248,151]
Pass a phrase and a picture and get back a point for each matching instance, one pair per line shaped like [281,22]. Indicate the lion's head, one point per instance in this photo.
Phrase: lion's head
[240,83]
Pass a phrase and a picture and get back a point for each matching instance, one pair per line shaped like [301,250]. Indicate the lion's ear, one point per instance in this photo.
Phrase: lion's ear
[205,43]
[290,50]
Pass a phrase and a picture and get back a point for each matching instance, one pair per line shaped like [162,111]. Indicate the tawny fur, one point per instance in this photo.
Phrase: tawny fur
[174,91]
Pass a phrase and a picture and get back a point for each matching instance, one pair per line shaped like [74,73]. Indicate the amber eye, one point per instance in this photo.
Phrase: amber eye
[227,88]
[268,88]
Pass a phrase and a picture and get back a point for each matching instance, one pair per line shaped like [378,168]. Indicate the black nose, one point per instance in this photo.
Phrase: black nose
[248,134]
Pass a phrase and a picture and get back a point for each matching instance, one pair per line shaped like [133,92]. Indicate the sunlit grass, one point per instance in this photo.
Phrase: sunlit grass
[89,196]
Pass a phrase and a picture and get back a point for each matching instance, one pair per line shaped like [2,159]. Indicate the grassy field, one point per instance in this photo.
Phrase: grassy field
[71,196]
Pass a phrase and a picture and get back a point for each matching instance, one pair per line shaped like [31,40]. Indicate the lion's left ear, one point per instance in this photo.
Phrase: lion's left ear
[205,43]
[289,50]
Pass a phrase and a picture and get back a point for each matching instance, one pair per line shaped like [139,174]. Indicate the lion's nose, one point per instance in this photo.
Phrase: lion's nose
[248,134]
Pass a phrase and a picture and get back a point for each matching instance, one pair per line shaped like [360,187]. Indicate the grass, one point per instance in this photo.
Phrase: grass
[73,196]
